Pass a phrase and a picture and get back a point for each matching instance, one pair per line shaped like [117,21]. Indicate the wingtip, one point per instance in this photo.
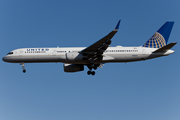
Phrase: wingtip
[117,26]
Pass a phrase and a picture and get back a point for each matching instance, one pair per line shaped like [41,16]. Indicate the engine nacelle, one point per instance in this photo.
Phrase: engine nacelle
[74,56]
[73,67]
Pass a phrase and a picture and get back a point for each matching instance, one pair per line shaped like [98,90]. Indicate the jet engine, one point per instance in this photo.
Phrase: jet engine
[73,67]
[74,56]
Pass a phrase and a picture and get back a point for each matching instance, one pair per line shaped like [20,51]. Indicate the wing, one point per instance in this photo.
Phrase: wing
[96,50]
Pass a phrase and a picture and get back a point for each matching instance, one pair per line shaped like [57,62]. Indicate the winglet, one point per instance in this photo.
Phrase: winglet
[117,26]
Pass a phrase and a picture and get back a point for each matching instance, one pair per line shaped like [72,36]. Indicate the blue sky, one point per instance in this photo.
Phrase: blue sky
[142,90]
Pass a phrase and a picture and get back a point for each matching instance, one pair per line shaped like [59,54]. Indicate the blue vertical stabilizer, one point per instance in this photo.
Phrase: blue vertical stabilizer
[160,38]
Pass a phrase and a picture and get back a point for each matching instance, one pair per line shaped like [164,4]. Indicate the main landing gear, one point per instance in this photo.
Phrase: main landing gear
[92,66]
[90,72]
[23,67]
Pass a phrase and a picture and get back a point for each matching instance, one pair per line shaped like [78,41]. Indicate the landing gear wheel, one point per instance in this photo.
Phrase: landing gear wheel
[89,72]
[93,73]
[23,67]
[24,70]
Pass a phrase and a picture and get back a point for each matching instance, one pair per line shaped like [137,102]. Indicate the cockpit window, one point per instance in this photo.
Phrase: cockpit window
[10,53]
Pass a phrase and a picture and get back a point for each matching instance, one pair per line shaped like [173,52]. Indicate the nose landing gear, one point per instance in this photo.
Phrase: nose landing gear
[24,70]
[23,67]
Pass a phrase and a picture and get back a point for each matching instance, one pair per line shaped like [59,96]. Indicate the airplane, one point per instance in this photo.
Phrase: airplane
[97,54]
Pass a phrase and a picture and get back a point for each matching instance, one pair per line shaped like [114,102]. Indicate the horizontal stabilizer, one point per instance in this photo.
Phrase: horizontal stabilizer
[165,48]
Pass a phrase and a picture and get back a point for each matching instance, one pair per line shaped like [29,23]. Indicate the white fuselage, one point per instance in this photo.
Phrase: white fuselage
[71,55]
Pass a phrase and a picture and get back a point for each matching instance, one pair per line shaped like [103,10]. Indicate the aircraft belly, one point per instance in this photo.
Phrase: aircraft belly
[31,59]
[45,59]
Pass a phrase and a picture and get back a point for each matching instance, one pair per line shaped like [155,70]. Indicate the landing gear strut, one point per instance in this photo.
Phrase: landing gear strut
[92,66]
[23,67]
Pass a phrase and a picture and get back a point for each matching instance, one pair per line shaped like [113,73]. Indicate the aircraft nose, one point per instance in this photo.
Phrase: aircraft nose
[5,59]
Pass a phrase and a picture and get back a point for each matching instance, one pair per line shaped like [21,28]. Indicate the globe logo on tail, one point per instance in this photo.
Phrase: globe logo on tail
[156,41]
